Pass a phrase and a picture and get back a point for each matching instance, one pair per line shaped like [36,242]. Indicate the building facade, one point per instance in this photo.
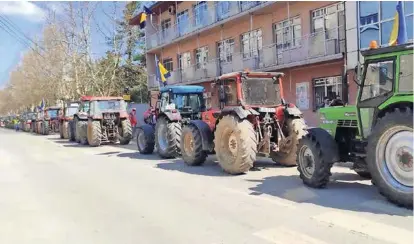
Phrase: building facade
[198,41]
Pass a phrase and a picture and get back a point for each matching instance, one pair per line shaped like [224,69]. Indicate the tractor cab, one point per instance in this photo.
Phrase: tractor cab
[185,101]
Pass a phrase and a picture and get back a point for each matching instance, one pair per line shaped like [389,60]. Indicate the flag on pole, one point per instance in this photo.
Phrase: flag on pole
[161,72]
[143,18]
[42,104]
[399,31]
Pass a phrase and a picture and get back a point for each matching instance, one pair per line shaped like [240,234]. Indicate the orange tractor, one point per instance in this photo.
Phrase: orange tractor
[253,119]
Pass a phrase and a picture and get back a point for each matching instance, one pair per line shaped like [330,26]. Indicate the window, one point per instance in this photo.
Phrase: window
[200,14]
[251,43]
[326,88]
[376,20]
[183,22]
[165,26]
[287,33]
[406,73]
[379,78]
[225,50]
[223,9]
[327,20]
[165,100]
[201,55]
[168,64]
[245,5]
[184,60]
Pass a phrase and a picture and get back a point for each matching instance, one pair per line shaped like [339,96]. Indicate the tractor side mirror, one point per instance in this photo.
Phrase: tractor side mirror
[358,73]
[222,94]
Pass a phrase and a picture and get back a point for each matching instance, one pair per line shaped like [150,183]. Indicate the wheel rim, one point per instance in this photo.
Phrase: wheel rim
[141,140]
[188,144]
[162,136]
[233,145]
[306,161]
[397,155]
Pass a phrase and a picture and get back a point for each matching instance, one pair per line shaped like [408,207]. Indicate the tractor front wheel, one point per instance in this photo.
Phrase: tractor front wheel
[390,156]
[94,133]
[64,130]
[317,152]
[192,151]
[297,129]
[81,132]
[125,132]
[167,138]
[71,131]
[235,144]
[145,139]
[45,128]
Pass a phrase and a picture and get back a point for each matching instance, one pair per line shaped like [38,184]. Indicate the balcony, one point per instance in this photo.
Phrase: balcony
[206,17]
[313,48]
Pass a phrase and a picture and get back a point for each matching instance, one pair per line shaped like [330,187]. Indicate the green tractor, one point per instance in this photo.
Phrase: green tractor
[376,134]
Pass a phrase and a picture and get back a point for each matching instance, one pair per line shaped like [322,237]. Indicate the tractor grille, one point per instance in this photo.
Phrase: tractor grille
[347,123]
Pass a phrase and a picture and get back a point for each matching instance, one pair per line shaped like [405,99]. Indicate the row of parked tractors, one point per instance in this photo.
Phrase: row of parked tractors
[91,120]
[247,117]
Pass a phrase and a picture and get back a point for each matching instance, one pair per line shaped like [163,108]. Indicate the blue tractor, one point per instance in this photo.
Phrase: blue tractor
[175,107]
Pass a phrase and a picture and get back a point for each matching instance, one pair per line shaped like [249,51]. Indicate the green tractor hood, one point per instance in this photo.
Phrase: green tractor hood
[340,116]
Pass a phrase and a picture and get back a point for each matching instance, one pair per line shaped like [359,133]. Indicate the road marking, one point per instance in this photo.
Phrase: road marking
[364,226]
[283,235]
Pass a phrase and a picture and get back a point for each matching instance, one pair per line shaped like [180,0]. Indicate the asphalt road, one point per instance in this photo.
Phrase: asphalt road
[53,191]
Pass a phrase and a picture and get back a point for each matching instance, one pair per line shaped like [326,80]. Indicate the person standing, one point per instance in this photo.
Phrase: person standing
[133,120]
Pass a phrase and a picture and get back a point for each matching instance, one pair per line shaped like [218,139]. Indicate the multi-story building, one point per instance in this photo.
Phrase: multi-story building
[198,41]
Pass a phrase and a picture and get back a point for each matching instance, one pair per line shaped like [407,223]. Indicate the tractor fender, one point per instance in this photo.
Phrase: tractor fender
[149,132]
[205,133]
[293,111]
[173,116]
[239,111]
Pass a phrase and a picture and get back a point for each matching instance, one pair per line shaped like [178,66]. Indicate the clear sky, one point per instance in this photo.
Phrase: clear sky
[30,19]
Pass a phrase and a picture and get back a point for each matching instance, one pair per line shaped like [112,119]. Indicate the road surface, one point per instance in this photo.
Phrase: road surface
[57,192]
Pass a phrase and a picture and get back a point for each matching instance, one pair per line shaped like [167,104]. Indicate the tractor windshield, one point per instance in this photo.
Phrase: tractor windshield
[261,91]
[189,102]
[71,111]
[52,113]
[111,105]
[379,78]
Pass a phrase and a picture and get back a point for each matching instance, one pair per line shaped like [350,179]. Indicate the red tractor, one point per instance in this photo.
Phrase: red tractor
[101,120]
[253,120]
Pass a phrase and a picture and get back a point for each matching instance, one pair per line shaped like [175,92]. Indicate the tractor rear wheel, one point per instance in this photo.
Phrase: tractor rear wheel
[167,138]
[94,132]
[288,150]
[81,131]
[317,152]
[64,130]
[390,156]
[71,131]
[235,144]
[125,132]
[145,140]
[45,128]
[192,151]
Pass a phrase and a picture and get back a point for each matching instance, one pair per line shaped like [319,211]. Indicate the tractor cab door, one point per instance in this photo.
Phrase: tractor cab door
[376,87]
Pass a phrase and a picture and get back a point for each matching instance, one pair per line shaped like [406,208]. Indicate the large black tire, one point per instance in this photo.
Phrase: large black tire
[125,135]
[61,131]
[240,133]
[71,131]
[64,130]
[167,138]
[317,152]
[145,140]
[395,185]
[45,128]
[81,130]
[94,133]
[297,130]
[191,146]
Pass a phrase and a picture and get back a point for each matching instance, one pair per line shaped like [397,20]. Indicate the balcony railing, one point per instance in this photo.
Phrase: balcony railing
[205,17]
[316,47]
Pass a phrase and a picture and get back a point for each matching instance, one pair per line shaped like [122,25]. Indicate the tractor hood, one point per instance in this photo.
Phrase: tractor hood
[340,116]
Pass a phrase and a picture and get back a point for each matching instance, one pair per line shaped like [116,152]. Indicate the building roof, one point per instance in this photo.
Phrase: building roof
[183,89]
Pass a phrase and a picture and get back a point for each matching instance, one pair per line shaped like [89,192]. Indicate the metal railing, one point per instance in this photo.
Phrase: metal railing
[209,16]
[315,47]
